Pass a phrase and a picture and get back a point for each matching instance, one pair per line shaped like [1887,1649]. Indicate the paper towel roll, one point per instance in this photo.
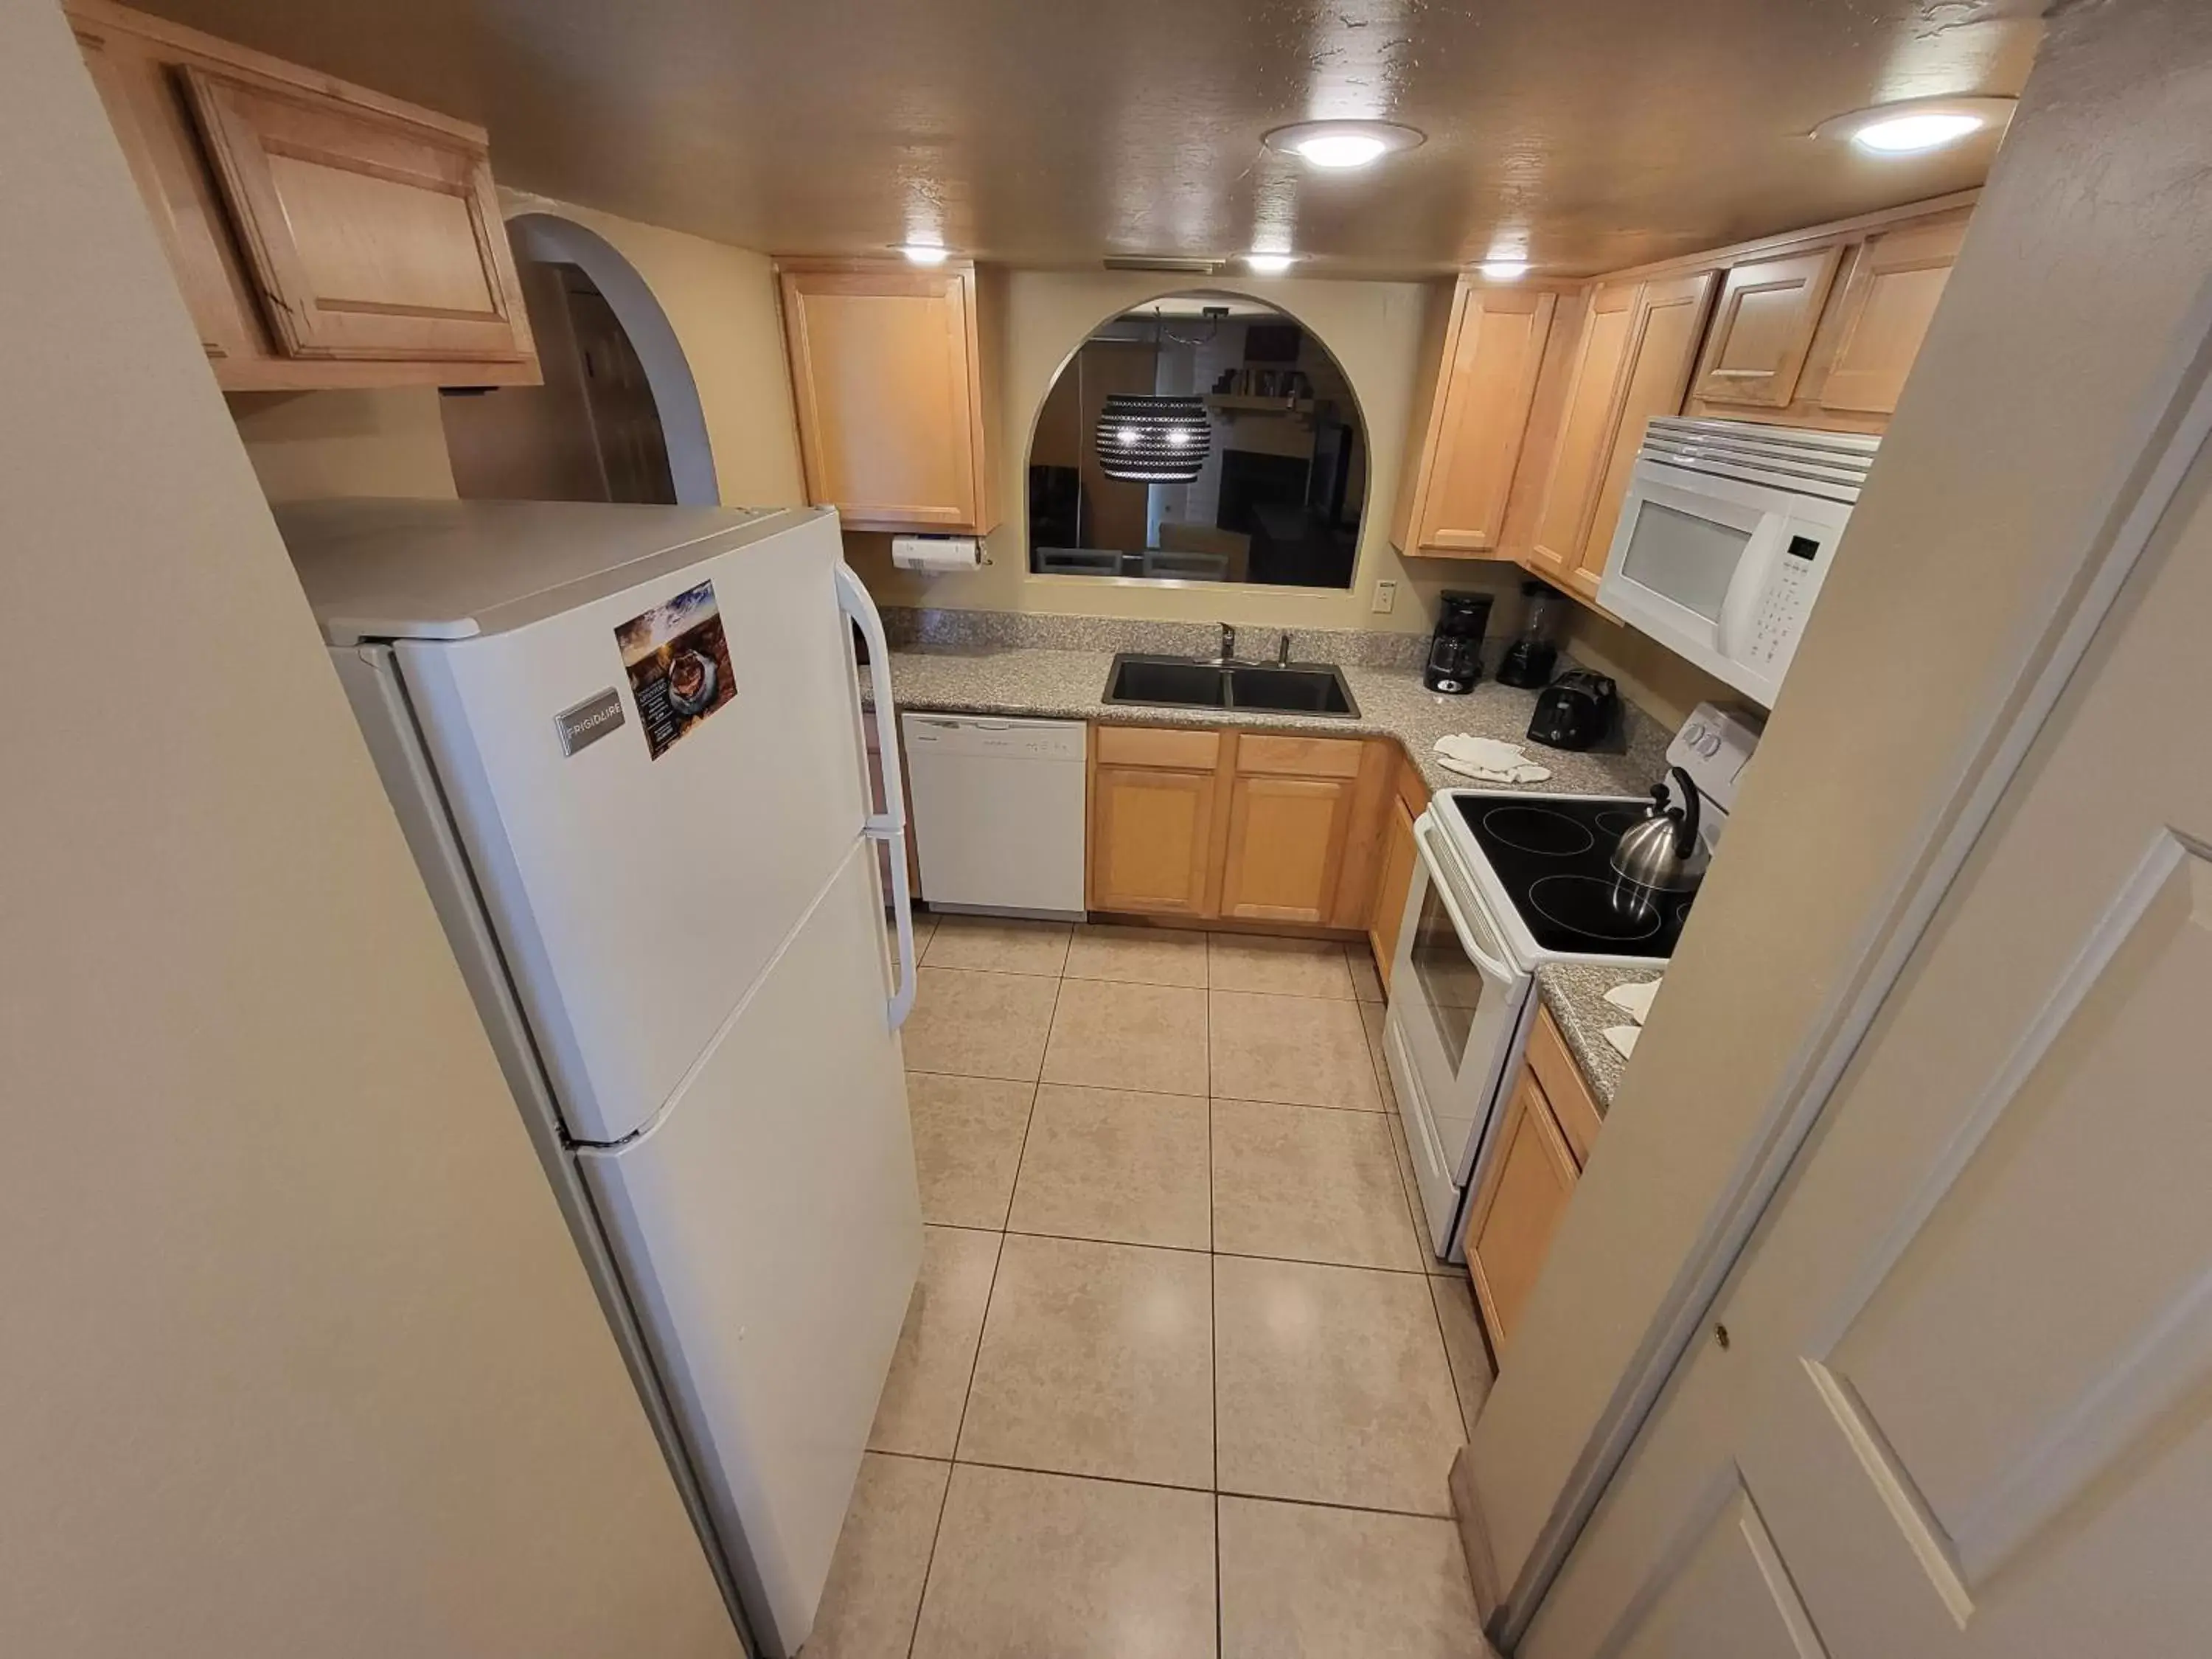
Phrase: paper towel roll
[936,552]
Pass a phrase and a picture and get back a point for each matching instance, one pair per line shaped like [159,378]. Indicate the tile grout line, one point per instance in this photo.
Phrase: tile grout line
[998,1256]
[1213,1309]
[1165,1486]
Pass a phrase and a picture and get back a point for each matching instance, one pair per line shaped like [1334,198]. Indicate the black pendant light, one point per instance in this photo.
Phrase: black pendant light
[1153,439]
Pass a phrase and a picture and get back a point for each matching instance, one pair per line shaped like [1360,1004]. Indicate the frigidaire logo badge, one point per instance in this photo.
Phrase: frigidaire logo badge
[585,724]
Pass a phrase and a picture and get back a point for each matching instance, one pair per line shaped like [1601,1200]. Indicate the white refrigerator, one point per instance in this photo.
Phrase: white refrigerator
[626,745]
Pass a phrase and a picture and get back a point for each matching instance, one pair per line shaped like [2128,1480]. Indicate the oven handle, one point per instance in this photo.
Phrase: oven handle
[1489,963]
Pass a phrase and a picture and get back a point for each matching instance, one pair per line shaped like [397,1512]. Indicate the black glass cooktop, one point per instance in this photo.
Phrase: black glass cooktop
[1554,859]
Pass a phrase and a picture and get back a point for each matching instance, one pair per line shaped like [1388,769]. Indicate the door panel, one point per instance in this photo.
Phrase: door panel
[372,237]
[1489,383]
[1883,314]
[1285,845]
[1969,1377]
[1728,1597]
[1662,344]
[1151,838]
[1585,430]
[1763,328]
[1391,887]
[1523,1195]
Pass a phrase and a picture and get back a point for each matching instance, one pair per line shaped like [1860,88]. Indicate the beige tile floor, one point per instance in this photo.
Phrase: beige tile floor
[1181,1376]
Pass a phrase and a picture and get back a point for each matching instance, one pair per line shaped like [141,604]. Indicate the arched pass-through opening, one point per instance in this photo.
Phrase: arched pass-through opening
[1269,485]
[548,238]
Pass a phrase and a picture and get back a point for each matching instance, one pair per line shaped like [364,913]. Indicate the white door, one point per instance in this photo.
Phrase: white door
[638,896]
[1964,1407]
[769,1229]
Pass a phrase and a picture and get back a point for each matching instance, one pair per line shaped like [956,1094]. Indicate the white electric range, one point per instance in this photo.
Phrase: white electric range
[1507,881]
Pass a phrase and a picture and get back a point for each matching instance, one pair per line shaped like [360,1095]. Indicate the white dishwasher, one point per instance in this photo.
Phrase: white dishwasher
[998,812]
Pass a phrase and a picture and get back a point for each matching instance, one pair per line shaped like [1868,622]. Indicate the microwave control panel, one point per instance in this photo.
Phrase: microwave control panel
[1781,608]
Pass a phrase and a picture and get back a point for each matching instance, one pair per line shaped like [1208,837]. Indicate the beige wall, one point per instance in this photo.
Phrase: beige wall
[298,1357]
[1650,676]
[720,300]
[2068,317]
[1373,328]
[308,445]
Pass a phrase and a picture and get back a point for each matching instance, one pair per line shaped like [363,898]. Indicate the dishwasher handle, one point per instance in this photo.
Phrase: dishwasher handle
[890,824]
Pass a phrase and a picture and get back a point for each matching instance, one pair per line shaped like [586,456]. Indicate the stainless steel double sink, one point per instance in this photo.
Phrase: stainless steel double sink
[1277,688]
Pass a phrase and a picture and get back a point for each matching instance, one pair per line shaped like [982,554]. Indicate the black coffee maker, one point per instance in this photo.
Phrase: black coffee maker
[1455,648]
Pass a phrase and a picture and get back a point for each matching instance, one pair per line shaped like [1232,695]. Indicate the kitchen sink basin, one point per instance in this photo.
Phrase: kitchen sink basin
[1179,682]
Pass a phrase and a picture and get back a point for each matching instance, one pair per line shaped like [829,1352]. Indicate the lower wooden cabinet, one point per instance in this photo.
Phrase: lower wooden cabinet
[1551,1122]
[1394,877]
[1151,840]
[1248,826]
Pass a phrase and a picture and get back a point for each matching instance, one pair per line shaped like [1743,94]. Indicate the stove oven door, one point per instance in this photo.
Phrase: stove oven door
[1459,1009]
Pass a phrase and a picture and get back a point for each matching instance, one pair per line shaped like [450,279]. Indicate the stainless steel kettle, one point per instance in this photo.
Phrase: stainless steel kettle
[1663,850]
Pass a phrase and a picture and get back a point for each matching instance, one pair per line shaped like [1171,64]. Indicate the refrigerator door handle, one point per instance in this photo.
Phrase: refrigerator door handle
[890,824]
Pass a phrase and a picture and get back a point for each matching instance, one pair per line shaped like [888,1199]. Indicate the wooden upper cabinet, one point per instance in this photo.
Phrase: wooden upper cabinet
[1880,315]
[1586,427]
[371,236]
[1763,328]
[321,234]
[1638,341]
[887,374]
[1453,501]
[1664,334]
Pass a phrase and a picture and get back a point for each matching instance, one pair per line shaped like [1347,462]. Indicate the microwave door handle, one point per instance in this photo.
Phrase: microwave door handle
[1732,632]
[1489,964]
[890,824]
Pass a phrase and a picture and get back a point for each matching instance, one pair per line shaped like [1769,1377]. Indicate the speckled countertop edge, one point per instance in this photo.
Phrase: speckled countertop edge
[1575,994]
[1044,683]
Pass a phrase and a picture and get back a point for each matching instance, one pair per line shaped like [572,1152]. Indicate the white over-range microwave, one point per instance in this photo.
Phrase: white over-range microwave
[1725,538]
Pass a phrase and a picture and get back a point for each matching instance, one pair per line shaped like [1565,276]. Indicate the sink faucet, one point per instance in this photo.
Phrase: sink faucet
[1228,644]
[1283,650]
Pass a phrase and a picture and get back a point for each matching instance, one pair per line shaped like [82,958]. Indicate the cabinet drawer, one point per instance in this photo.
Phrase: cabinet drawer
[1571,1102]
[1154,745]
[1299,757]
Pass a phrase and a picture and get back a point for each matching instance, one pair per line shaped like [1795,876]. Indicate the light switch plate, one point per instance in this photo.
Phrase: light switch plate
[1386,598]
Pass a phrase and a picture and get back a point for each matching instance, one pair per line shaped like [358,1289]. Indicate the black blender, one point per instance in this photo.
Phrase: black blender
[1455,648]
[1527,661]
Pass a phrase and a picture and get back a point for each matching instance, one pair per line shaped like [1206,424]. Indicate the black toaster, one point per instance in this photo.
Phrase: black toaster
[1575,711]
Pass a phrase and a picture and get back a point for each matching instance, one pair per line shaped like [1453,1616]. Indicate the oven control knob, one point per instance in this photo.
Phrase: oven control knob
[1710,746]
[1694,733]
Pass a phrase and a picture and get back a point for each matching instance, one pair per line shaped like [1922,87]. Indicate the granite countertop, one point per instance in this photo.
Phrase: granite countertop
[1049,682]
[1575,994]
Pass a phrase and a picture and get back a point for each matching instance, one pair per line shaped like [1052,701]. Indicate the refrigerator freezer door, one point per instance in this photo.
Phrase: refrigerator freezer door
[770,1230]
[637,896]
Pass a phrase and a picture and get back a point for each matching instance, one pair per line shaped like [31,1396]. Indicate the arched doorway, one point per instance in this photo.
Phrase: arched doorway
[618,417]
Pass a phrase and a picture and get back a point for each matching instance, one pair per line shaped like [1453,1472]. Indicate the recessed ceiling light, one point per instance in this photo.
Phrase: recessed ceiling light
[1503,271]
[1269,264]
[1915,125]
[924,253]
[1342,144]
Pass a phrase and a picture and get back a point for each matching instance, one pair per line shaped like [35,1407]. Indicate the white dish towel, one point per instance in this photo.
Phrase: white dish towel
[1488,761]
[1623,1039]
[1634,1001]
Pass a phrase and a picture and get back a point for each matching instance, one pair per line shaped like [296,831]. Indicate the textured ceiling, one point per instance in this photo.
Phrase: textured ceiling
[1052,132]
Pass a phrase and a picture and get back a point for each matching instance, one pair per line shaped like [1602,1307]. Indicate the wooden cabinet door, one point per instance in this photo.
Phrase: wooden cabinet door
[1763,328]
[1662,343]
[1480,416]
[370,236]
[1523,1194]
[1586,429]
[886,371]
[1391,886]
[1151,840]
[1287,840]
[1882,314]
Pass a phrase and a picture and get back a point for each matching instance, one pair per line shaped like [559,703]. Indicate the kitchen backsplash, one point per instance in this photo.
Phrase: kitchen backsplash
[907,625]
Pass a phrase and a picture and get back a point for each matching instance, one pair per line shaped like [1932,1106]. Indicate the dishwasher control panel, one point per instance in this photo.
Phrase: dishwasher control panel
[982,735]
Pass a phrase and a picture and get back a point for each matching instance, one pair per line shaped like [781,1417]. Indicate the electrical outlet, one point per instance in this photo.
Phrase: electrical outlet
[1386,598]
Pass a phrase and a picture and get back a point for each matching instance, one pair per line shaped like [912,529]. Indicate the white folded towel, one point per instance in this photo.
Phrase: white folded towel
[1623,1038]
[1487,760]
[1634,1001]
